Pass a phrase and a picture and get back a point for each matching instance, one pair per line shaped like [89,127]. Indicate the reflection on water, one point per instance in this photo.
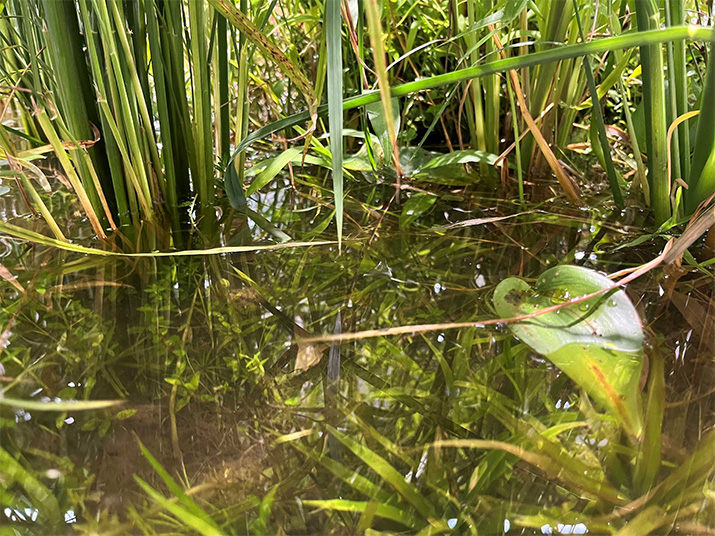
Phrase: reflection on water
[202,353]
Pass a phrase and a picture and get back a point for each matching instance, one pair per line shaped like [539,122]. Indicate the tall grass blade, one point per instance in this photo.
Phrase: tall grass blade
[701,182]
[648,458]
[69,170]
[201,106]
[597,120]
[70,70]
[176,490]
[37,238]
[374,24]
[652,65]
[198,524]
[334,46]
[270,51]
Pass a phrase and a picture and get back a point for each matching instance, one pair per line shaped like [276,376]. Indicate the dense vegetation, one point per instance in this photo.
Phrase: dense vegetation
[143,102]
[353,138]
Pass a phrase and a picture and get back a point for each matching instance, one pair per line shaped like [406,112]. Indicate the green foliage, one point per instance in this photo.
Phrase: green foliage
[189,124]
[598,342]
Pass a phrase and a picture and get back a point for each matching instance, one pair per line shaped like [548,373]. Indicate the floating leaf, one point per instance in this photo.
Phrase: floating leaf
[415,206]
[598,342]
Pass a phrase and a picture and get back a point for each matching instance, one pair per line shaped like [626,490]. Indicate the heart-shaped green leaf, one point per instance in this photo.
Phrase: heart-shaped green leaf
[598,342]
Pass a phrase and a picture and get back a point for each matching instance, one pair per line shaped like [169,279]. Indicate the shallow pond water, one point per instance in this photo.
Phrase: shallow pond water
[224,420]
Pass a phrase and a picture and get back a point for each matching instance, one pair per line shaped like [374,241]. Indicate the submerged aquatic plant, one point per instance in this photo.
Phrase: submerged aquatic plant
[173,122]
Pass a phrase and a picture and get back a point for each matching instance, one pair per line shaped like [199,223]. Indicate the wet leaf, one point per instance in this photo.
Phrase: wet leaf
[415,207]
[382,510]
[376,115]
[598,342]
[308,356]
[62,405]
[461,157]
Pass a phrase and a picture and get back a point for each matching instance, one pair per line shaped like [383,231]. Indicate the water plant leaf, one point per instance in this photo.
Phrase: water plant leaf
[387,472]
[269,173]
[415,206]
[466,156]
[37,238]
[597,342]
[376,115]
[200,525]
[12,471]
[65,405]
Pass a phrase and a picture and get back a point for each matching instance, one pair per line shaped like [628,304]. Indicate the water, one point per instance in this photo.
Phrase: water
[200,354]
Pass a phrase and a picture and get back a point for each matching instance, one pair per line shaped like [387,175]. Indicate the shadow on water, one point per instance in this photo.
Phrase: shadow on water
[243,430]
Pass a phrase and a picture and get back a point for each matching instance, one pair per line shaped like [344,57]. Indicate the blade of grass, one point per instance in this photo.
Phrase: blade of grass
[374,24]
[382,510]
[569,51]
[383,468]
[551,467]
[69,170]
[41,497]
[37,238]
[65,405]
[334,46]
[567,184]
[70,70]
[163,103]
[199,524]
[702,172]
[648,18]
[176,490]
[648,457]
[270,51]
[201,106]
[597,119]
[679,68]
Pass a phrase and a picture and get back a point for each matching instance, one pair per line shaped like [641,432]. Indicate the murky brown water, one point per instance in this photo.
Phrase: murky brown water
[202,351]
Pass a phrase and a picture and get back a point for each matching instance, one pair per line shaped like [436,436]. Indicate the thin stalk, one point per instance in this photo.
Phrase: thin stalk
[163,103]
[681,88]
[672,101]
[222,66]
[242,103]
[70,172]
[70,70]
[141,103]
[477,128]
[641,177]
[597,118]
[124,110]
[202,106]
[654,101]
[376,38]
[517,143]
[110,143]
[16,164]
[648,458]
[172,46]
